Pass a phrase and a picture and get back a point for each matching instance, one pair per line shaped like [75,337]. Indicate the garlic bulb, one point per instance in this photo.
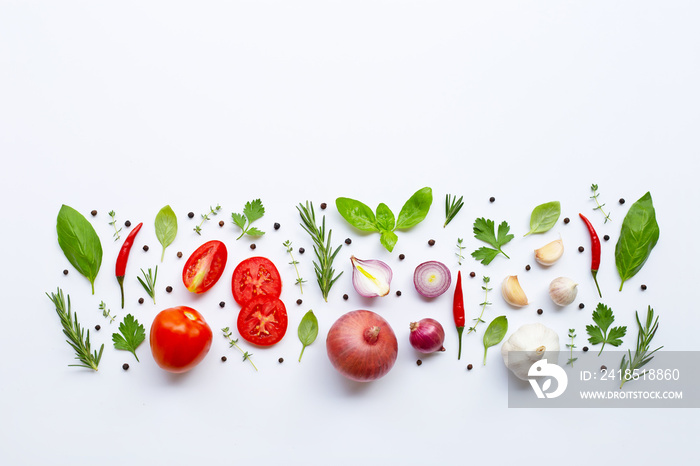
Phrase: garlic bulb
[563,291]
[549,253]
[527,345]
[512,292]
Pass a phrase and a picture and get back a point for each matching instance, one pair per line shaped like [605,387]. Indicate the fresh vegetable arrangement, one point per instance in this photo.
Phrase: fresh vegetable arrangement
[361,344]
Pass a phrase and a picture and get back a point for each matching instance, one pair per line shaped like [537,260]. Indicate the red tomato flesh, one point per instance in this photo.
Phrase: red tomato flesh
[263,321]
[180,338]
[205,266]
[255,277]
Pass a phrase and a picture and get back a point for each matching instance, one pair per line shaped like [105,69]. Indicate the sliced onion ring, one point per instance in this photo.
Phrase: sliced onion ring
[432,279]
[371,278]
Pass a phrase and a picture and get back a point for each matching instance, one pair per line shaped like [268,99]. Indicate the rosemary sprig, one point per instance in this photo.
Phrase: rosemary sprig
[322,248]
[594,188]
[150,282]
[113,216]
[571,346]
[288,244]
[452,207]
[483,305]
[460,256]
[106,312]
[234,344]
[76,335]
[212,211]
[642,355]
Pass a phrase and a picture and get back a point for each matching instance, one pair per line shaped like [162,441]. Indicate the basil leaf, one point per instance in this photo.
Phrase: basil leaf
[79,243]
[638,236]
[495,332]
[388,239]
[385,217]
[166,227]
[308,331]
[415,209]
[356,214]
[544,217]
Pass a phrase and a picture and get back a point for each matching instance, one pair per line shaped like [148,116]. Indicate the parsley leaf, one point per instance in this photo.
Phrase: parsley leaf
[132,335]
[485,230]
[252,211]
[603,318]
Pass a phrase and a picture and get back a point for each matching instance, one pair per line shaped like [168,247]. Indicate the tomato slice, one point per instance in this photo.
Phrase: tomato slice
[263,321]
[205,266]
[255,277]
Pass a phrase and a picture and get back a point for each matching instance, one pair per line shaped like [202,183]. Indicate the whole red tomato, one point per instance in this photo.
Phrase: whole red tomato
[205,266]
[180,338]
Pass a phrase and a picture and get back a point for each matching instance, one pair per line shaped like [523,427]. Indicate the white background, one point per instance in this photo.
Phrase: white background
[135,105]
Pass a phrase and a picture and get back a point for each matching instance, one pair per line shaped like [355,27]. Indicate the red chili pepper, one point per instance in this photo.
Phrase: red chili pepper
[595,252]
[458,311]
[123,257]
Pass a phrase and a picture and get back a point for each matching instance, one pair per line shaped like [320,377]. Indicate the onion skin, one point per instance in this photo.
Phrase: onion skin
[371,278]
[362,346]
[428,272]
[427,336]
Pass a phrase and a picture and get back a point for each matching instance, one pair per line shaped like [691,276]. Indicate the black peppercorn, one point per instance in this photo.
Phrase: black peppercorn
[419,362]
[469,367]
[302,250]
[169,289]
[580,249]
[606,237]
[398,293]
[539,311]
[603,368]
[280,360]
[492,199]
[348,241]
[65,271]
[299,301]
[223,358]
[140,300]
[323,206]
[472,274]
[145,247]
[622,201]
[276,226]
[97,327]
[222,304]
[252,246]
[644,287]
[431,242]
[566,220]
[585,349]
[179,254]
[125,366]
[345,297]
[401,257]
[127,224]
[94,212]
[581,306]
[221,223]
[191,215]
[527,267]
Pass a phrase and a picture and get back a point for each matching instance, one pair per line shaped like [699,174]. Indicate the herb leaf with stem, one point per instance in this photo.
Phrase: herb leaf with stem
[212,211]
[113,216]
[288,244]
[322,247]
[131,335]
[76,335]
[149,282]
[642,355]
[594,188]
[483,305]
[495,332]
[571,346]
[166,228]
[485,230]
[79,242]
[106,312]
[234,344]
[452,207]
[307,331]
[252,211]
[460,255]
[598,333]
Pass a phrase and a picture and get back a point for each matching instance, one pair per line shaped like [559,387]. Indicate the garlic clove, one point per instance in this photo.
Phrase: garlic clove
[371,278]
[563,291]
[512,292]
[549,253]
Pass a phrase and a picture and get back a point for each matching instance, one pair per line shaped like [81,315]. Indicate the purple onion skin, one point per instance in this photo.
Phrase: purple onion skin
[427,336]
[362,346]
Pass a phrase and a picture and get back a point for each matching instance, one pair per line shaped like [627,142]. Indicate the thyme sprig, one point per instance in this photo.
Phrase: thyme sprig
[212,211]
[483,305]
[594,188]
[113,216]
[642,355]
[460,248]
[106,312]
[234,344]
[452,207]
[76,335]
[322,248]
[288,244]
[149,282]
[571,346]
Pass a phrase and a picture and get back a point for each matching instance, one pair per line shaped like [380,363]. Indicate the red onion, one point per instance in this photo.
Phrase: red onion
[432,279]
[371,278]
[362,346]
[427,335]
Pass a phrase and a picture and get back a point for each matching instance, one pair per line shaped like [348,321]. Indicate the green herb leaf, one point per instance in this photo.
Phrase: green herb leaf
[642,355]
[544,217]
[132,335]
[603,318]
[254,232]
[166,227]
[356,214]
[485,230]
[308,331]
[252,211]
[415,209]
[385,218]
[388,239]
[495,332]
[238,220]
[452,207]
[79,242]
[638,236]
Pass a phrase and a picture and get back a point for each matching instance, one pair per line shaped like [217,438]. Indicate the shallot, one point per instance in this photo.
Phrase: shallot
[427,335]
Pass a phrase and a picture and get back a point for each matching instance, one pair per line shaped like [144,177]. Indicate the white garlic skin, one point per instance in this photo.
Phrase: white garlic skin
[549,253]
[563,291]
[527,345]
[512,292]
